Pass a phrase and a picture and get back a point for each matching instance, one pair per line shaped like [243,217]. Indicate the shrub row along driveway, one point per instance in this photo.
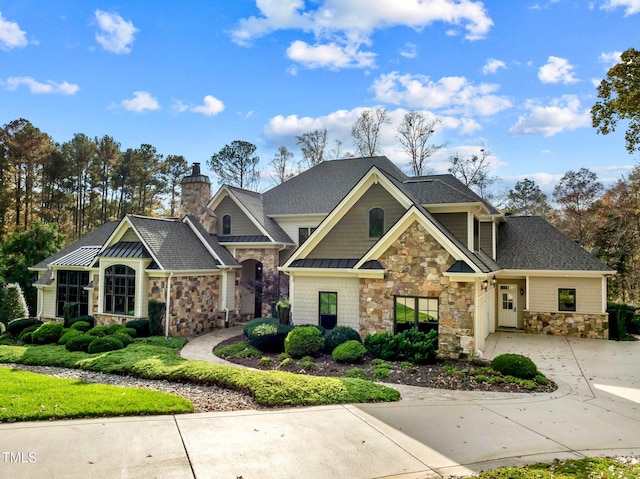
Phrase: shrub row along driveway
[429,434]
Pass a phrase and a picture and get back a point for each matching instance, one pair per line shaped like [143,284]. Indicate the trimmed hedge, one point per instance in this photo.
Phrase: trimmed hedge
[48,333]
[515,365]
[124,337]
[142,327]
[268,338]
[26,331]
[69,335]
[15,327]
[82,326]
[79,343]
[351,351]
[303,341]
[104,344]
[88,319]
[339,335]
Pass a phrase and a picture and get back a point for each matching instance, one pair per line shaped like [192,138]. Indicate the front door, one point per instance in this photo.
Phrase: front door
[508,306]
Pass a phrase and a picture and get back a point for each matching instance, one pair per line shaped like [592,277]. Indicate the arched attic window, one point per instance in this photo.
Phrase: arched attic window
[376,222]
[226,225]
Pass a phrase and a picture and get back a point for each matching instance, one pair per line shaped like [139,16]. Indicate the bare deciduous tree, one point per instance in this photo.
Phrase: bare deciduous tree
[474,171]
[366,130]
[281,164]
[414,133]
[312,144]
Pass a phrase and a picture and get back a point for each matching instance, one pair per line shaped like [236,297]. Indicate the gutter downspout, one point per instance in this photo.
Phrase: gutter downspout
[167,307]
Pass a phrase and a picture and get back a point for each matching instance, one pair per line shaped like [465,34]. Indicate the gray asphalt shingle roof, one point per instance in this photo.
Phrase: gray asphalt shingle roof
[213,241]
[530,242]
[173,244]
[255,205]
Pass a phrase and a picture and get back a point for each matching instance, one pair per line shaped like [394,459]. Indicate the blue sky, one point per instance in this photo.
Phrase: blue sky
[190,77]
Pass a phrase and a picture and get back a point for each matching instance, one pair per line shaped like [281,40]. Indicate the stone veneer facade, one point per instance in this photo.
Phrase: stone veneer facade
[415,264]
[269,257]
[578,325]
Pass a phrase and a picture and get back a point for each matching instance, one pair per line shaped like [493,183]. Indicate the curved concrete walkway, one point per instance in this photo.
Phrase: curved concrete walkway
[428,434]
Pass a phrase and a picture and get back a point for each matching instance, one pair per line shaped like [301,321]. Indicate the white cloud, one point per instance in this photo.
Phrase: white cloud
[330,55]
[341,27]
[11,36]
[116,34]
[610,59]
[454,95]
[409,50]
[212,106]
[557,70]
[492,66]
[560,115]
[36,87]
[631,6]
[141,101]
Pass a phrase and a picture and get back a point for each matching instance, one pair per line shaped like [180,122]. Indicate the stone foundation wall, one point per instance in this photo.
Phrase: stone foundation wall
[194,304]
[415,264]
[578,325]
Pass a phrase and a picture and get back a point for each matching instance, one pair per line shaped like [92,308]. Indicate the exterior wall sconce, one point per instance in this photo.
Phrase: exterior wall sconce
[485,285]
[493,281]
[521,291]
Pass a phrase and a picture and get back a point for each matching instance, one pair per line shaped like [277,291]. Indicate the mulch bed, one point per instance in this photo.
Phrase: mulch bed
[431,375]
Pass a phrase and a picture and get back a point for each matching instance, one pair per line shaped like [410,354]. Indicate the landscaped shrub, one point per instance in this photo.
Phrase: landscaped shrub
[257,322]
[130,331]
[48,333]
[416,346]
[142,327]
[69,335]
[380,345]
[357,373]
[69,311]
[351,351]
[15,327]
[79,343]
[621,320]
[83,326]
[29,329]
[125,338]
[13,305]
[27,338]
[104,344]
[114,328]
[98,331]
[88,319]
[156,309]
[339,335]
[515,365]
[303,341]
[269,337]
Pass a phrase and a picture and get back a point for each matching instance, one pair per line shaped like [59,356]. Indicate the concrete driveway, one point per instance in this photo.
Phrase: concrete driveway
[596,410]
[429,434]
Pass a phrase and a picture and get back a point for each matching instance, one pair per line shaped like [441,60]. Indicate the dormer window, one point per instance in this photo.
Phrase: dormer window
[226,225]
[376,222]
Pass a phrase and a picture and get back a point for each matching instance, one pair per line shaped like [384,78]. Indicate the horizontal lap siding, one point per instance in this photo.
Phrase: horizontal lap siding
[543,293]
[349,238]
[456,223]
[305,303]
[240,224]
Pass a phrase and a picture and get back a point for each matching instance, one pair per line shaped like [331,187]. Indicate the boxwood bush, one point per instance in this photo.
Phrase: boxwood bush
[351,351]
[79,343]
[48,333]
[98,331]
[142,327]
[83,326]
[339,335]
[515,365]
[257,322]
[104,344]
[124,337]
[268,337]
[303,341]
[68,335]
[27,330]
[15,327]
[87,319]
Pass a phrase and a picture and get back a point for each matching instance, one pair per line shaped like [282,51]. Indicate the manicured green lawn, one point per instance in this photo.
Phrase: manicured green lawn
[26,396]
[157,358]
[589,468]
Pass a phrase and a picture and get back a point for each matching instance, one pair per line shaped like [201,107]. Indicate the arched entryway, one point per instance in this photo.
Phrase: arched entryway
[251,289]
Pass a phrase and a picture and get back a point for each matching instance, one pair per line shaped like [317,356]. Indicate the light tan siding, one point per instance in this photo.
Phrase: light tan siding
[131,236]
[241,225]
[456,223]
[305,306]
[49,302]
[350,237]
[543,293]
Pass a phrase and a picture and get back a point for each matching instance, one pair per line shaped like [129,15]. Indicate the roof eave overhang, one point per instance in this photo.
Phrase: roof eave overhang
[511,273]
[334,272]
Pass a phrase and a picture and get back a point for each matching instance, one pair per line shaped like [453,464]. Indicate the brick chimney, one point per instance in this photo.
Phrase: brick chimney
[196,193]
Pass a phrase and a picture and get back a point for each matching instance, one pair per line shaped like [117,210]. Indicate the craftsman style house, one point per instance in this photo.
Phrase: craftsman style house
[360,243]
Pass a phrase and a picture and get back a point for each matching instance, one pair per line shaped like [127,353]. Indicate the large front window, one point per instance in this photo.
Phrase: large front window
[566,299]
[70,289]
[119,290]
[415,312]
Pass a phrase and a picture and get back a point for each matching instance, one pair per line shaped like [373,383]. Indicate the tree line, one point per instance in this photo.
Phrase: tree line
[82,183]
